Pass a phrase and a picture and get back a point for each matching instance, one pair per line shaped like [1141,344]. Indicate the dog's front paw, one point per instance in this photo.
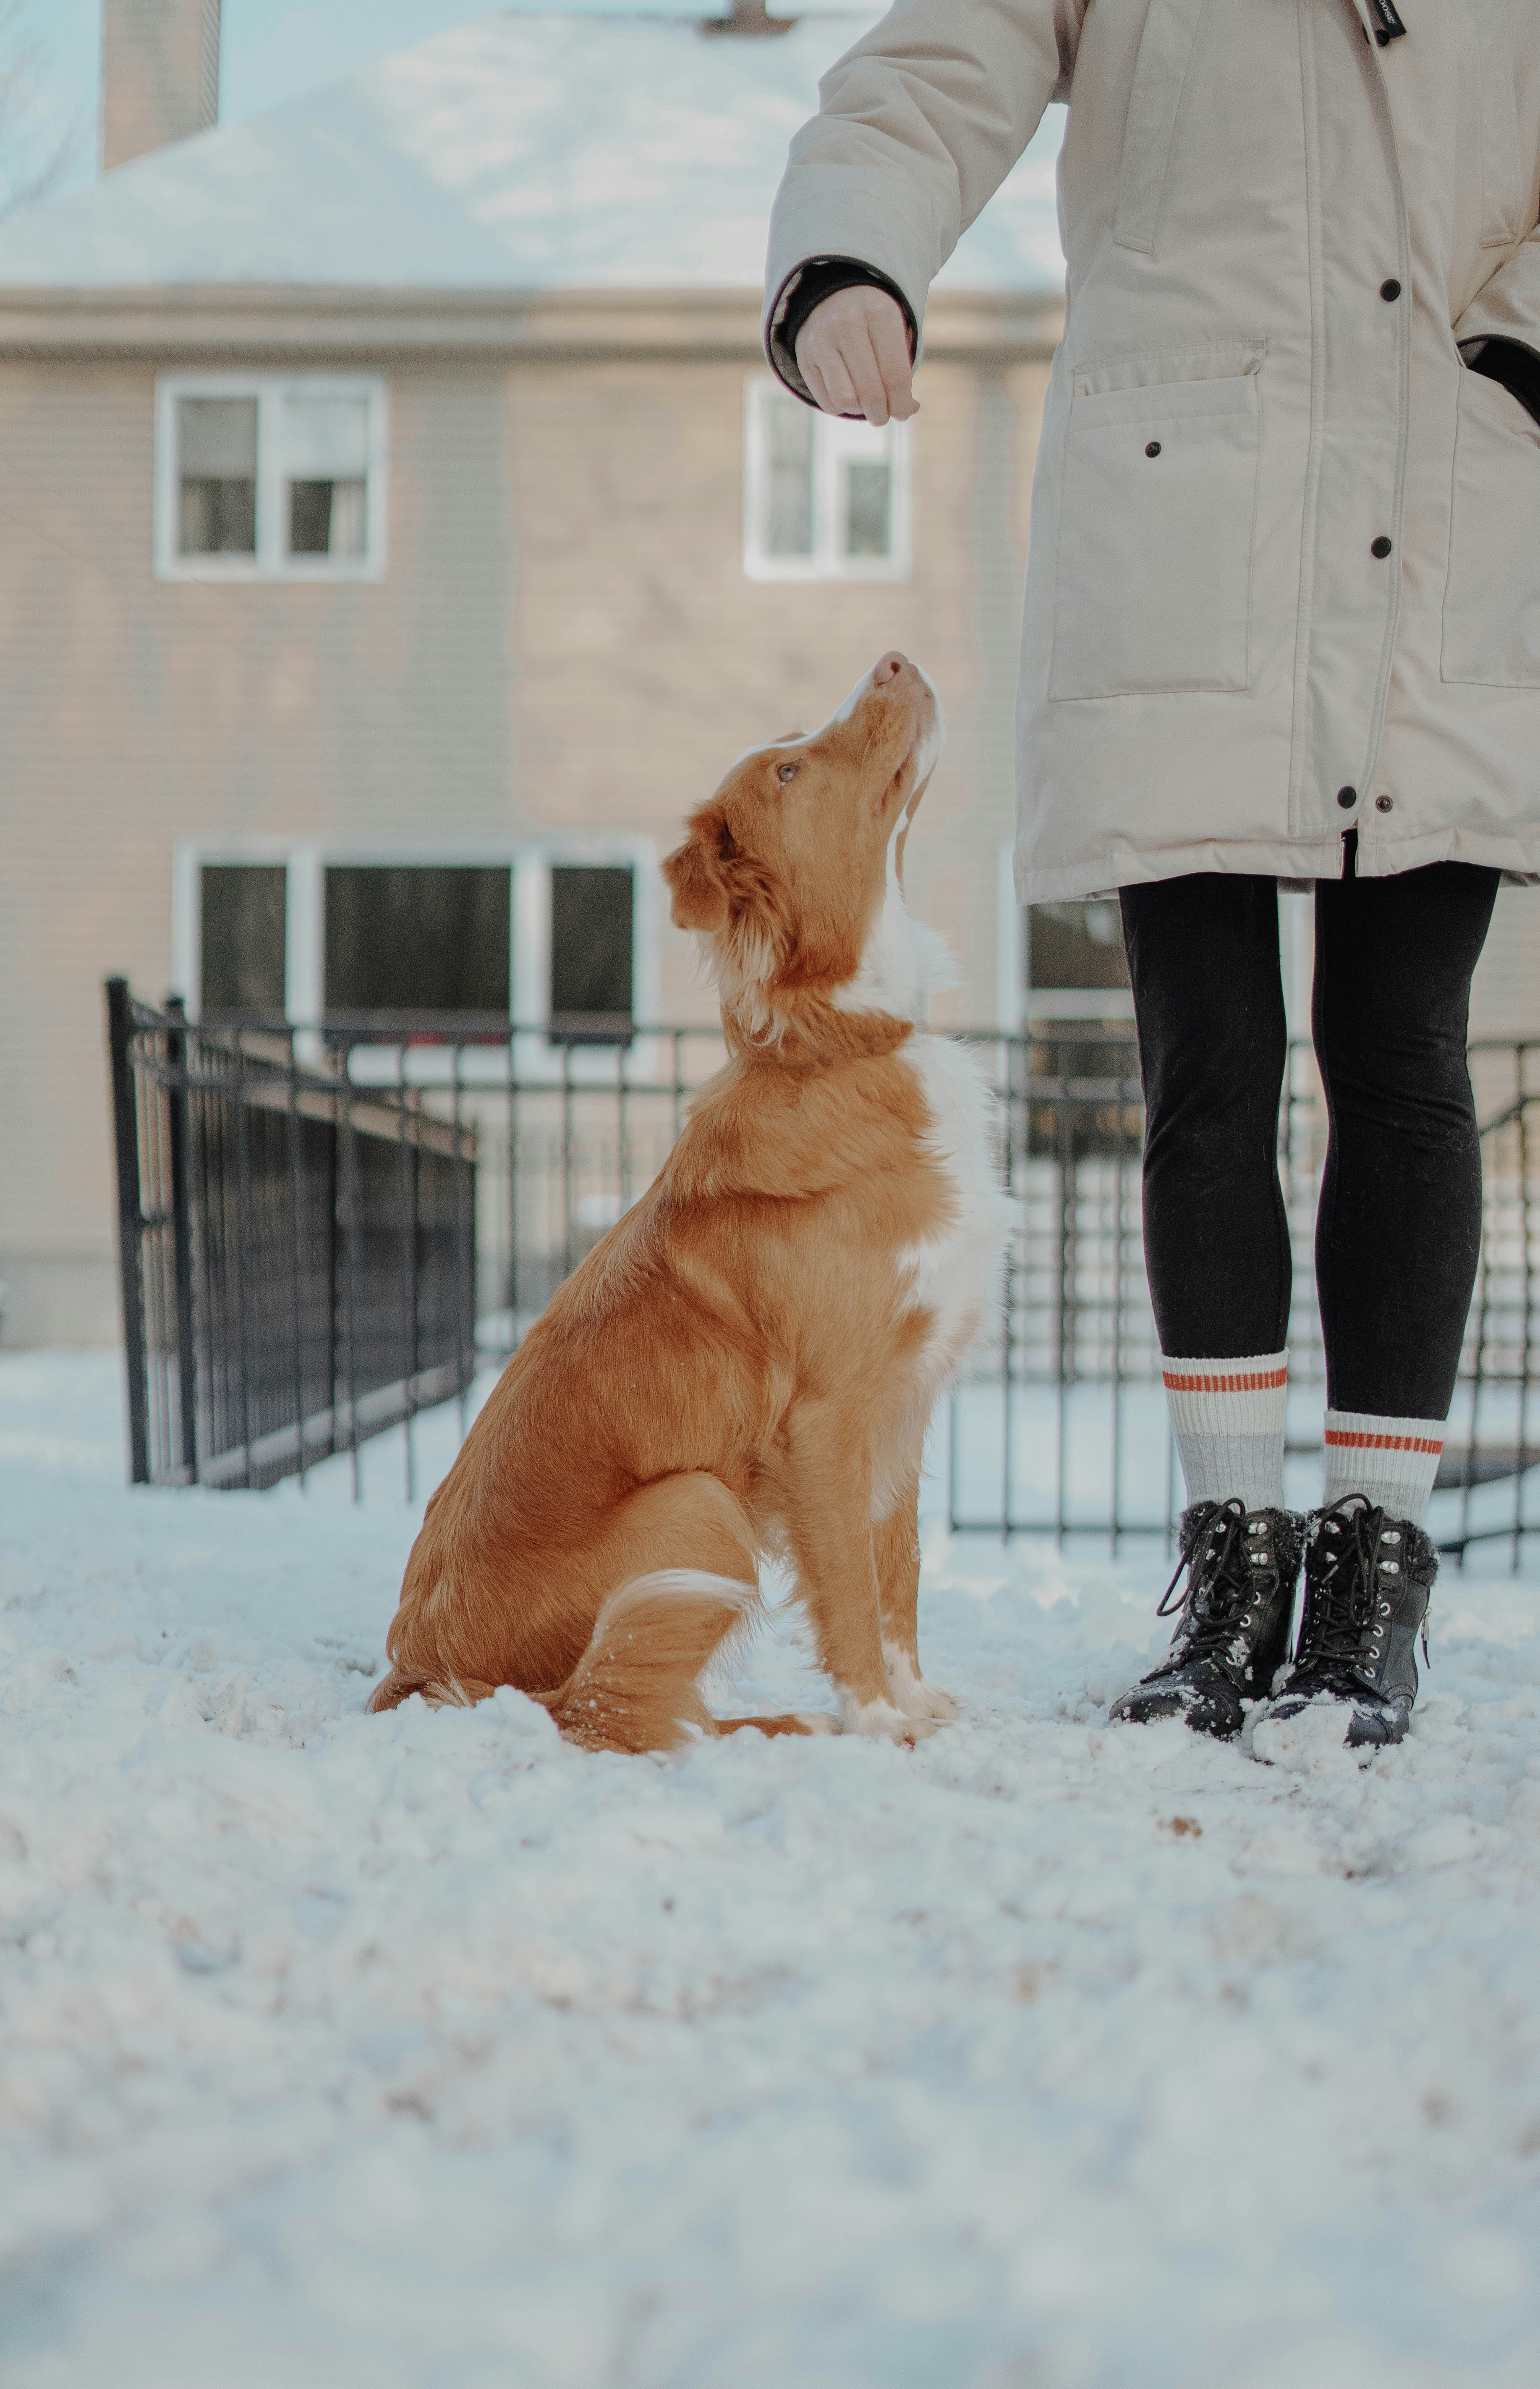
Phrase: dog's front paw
[910,1691]
[881,1722]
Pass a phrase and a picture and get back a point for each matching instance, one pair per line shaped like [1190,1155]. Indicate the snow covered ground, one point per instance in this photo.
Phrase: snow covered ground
[422,2052]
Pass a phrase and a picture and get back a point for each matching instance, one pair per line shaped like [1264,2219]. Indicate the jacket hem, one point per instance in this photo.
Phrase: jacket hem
[1299,861]
[1122,865]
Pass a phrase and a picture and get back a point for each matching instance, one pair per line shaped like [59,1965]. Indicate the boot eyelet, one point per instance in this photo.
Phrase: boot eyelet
[1384,1609]
[1388,1536]
[1390,1567]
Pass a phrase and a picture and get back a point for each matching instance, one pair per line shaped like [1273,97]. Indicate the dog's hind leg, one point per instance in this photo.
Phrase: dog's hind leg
[681,1558]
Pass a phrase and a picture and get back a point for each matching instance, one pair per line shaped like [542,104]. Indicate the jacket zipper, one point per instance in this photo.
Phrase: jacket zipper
[1390,29]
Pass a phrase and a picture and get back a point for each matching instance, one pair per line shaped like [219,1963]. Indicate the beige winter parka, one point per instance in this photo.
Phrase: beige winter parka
[1284,573]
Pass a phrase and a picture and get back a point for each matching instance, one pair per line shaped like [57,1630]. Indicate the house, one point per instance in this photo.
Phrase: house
[403,534]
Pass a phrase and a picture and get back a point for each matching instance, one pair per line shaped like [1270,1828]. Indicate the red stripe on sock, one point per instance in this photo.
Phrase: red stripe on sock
[1251,1381]
[1359,1442]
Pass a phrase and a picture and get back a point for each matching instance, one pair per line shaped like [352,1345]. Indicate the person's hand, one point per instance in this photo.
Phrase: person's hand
[853,354]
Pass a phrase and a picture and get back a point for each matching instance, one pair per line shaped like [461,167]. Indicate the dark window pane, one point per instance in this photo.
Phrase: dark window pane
[409,938]
[591,952]
[326,517]
[243,939]
[217,518]
[1076,945]
[868,489]
[309,518]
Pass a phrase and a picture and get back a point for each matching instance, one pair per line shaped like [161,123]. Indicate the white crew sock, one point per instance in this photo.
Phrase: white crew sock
[1391,1462]
[1228,1419]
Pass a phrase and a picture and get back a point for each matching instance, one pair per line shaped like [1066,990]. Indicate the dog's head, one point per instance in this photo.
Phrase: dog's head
[785,869]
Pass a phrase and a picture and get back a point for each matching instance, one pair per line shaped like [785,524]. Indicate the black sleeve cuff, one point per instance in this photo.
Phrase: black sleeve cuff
[808,288]
[1512,363]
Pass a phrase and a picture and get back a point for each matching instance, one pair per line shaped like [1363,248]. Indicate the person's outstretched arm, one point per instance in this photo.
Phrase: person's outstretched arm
[919,124]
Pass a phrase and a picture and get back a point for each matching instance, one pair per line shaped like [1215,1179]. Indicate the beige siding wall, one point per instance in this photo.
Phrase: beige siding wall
[563,638]
[135,712]
[647,660]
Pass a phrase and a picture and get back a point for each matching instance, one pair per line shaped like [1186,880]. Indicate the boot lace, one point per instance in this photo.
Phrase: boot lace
[1218,1591]
[1340,1603]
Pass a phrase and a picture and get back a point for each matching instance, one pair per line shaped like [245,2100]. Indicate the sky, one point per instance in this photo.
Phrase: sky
[271,51]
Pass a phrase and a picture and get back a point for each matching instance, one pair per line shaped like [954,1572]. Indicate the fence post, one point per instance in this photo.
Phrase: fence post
[125,1123]
[181,1230]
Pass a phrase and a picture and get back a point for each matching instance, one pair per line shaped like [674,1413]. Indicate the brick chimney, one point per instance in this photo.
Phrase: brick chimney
[159,74]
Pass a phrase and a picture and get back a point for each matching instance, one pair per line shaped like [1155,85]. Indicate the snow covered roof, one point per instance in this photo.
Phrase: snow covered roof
[521,151]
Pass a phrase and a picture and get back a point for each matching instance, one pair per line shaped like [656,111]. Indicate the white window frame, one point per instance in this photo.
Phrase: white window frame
[834,441]
[536,1054]
[271,562]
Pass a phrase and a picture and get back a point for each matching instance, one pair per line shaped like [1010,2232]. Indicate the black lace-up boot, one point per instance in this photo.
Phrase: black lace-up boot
[1232,1635]
[1367,1581]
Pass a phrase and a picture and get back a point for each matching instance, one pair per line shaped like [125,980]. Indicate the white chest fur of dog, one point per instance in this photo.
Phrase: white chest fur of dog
[955,1273]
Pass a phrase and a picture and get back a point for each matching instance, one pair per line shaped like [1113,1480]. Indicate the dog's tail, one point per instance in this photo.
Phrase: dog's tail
[637,1686]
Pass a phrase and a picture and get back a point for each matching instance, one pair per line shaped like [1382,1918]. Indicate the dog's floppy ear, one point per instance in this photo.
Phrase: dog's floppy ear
[695,876]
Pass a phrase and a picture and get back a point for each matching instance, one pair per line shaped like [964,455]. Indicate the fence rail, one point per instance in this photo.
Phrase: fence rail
[327,1231]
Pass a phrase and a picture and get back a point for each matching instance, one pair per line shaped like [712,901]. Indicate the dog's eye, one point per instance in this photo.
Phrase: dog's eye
[788,771]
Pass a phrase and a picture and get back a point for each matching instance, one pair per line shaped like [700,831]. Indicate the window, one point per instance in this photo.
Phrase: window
[413,938]
[561,939]
[216,512]
[244,916]
[1076,945]
[1059,961]
[823,498]
[269,476]
[592,913]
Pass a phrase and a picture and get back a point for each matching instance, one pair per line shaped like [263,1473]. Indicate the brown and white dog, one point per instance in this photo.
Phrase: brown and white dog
[747,1363]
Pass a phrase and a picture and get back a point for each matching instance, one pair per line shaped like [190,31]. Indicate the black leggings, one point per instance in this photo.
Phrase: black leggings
[1400,1217]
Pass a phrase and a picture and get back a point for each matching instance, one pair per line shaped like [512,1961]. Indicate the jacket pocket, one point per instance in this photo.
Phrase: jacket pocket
[1156,512]
[1492,597]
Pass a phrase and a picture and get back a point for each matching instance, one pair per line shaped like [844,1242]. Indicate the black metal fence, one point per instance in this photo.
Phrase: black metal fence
[297,1254]
[324,1232]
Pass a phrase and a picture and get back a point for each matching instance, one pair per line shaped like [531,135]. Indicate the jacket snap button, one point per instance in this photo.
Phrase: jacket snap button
[1154,449]
[1384,804]
[1380,547]
[1391,289]
[1347,797]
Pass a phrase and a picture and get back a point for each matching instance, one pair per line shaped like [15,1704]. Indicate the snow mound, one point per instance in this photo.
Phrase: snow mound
[426,2053]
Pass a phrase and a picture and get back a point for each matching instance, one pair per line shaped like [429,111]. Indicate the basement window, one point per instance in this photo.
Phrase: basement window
[422,948]
[243,918]
[428,943]
[824,499]
[1076,947]
[593,940]
[275,477]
